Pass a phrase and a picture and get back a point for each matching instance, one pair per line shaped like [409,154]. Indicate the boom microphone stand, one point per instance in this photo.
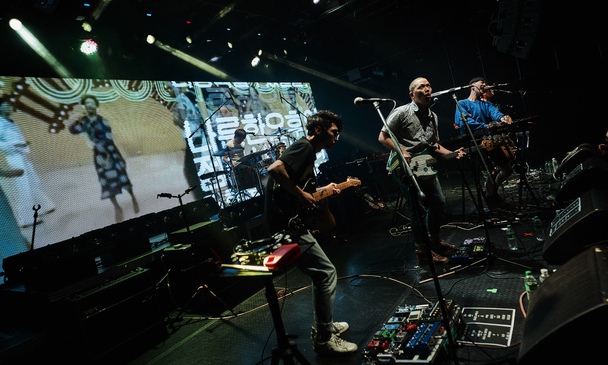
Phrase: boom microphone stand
[418,201]
[201,126]
[192,244]
[490,256]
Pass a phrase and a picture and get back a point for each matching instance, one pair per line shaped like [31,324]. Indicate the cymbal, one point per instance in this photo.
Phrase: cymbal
[212,174]
[283,131]
[252,156]
[226,151]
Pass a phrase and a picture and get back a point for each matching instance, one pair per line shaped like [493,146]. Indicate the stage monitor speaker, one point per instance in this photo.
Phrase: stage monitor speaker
[575,157]
[568,312]
[581,224]
[589,174]
[109,322]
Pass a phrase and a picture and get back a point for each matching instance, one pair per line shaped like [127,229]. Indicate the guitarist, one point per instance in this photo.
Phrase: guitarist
[416,128]
[289,199]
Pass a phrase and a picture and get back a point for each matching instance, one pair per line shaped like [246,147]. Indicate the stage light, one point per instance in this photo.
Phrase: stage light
[189,40]
[229,45]
[38,47]
[15,24]
[87,26]
[260,52]
[255,61]
[89,47]
[150,39]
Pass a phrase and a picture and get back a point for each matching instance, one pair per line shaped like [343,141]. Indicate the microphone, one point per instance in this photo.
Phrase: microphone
[190,189]
[359,100]
[434,100]
[494,86]
[163,195]
[252,133]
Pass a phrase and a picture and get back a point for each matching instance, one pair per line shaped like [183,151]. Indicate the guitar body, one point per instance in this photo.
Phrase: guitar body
[421,164]
[319,220]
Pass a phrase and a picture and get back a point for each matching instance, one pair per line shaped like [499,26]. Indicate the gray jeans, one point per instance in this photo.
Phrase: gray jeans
[315,263]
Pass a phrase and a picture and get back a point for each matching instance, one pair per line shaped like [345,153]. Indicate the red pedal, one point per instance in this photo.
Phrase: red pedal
[282,257]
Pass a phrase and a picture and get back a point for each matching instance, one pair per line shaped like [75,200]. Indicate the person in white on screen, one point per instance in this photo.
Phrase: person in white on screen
[23,192]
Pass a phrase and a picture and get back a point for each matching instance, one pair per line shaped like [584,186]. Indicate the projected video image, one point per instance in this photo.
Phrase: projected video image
[78,155]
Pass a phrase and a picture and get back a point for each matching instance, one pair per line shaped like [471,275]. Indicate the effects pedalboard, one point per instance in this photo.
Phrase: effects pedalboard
[472,249]
[414,334]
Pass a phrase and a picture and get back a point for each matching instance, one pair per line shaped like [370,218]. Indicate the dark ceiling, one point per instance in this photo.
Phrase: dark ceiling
[374,37]
[344,48]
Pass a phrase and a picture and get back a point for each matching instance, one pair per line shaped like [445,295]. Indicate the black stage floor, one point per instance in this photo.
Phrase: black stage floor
[378,273]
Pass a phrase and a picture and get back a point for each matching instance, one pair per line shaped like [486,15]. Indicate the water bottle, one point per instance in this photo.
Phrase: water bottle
[554,164]
[544,274]
[511,239]
[539,232]
[530,283]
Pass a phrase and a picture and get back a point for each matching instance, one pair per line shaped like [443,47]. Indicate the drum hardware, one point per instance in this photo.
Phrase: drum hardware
[228,151]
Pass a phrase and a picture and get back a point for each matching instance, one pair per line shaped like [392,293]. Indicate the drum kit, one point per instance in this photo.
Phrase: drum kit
[249,171]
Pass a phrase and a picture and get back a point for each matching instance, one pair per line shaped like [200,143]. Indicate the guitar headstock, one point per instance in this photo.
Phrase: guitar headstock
[353,181]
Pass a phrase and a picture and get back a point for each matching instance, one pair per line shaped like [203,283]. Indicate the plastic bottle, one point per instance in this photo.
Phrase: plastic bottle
[544,274]
[539,232]
[530,283]
[554,164]
[511,239]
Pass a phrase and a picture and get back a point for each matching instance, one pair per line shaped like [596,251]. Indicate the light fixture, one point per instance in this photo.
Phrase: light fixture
[89,47]
[255,61]
[87,26]
[150,39]
[15,24]
[189,40]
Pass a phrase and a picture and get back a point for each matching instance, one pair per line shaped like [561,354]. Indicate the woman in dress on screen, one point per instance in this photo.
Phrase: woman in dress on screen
[111,167]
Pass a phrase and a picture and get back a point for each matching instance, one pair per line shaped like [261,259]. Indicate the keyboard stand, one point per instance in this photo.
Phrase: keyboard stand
[286,349]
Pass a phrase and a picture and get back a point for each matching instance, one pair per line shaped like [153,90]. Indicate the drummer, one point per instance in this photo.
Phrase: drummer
[280,149]
[233,157]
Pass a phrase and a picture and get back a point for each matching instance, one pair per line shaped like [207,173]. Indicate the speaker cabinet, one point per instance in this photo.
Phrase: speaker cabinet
[581,224]
[568,312]
[119,318]
[589,174]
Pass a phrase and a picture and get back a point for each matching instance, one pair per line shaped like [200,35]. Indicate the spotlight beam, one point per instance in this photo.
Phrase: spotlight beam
[194,61]
[40,49]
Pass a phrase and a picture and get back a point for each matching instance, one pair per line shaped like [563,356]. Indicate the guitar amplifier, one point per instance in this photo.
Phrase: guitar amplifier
[575,157]
[580,225]
[591,173]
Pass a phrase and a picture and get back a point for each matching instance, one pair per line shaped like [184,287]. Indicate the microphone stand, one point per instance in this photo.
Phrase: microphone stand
[490,256]
[193,245]
[201,126]
[296,109]
[36,208]
[418,201]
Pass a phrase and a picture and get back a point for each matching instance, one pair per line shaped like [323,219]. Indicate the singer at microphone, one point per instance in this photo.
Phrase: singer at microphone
[359,100]
[412,129]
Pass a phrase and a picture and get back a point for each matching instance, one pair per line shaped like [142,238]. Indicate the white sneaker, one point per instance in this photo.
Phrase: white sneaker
[334,346]
[337,328]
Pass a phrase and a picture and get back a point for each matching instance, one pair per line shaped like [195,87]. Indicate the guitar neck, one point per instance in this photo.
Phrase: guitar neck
[326,193]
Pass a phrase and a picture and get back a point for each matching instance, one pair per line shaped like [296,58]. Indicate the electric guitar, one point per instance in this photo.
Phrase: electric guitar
[319,220]
[422,162]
